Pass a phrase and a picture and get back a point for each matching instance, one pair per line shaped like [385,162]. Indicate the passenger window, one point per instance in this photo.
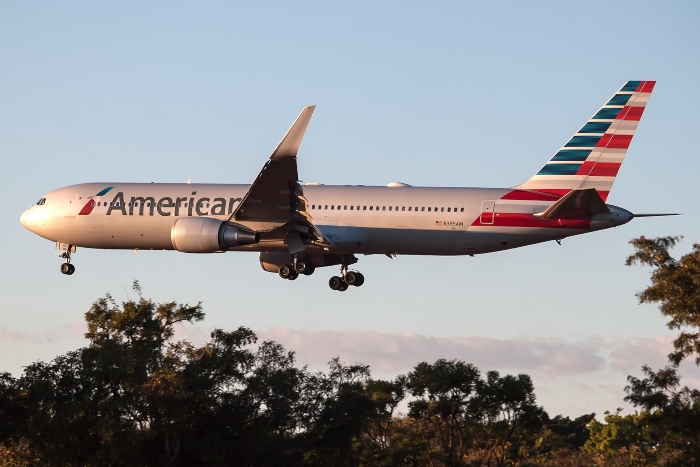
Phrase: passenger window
[442,209]
[383,208]
[389,208]
[448,209]
[338,207]
[403,208]
[325,207]
[409,208]
[428,209]
[461,210]
[364,208]
[332,207]
[455,210]
[345,208]
[370,208]
[351,207]
[423,208]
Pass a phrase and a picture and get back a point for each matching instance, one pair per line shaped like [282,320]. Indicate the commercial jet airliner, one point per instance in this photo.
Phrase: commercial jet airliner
[297,229]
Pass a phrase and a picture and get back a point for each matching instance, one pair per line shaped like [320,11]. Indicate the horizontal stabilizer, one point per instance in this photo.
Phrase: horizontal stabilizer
[576,204]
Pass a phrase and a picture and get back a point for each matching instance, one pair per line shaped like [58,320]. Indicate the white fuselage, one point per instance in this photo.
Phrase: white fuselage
[356,219]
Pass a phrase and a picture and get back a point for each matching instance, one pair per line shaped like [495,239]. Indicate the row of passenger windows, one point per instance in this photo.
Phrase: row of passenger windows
[148,205]
[331,207]
[384,208]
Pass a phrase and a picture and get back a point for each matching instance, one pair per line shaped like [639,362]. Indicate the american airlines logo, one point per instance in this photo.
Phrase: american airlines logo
[165,206]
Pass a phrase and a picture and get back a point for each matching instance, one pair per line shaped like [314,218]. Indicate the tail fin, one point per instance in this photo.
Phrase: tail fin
[592,157]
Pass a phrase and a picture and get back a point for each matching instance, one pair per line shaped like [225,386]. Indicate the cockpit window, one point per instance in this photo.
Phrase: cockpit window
[41,202]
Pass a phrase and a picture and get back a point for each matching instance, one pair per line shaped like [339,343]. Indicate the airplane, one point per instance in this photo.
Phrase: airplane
[297,228]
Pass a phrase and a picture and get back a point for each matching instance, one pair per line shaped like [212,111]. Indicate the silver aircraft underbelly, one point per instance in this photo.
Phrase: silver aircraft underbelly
[366,220]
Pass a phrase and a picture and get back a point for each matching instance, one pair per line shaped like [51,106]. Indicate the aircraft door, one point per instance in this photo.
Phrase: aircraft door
[487,209]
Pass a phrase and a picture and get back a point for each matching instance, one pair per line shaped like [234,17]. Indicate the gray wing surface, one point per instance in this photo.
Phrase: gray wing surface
[275,200]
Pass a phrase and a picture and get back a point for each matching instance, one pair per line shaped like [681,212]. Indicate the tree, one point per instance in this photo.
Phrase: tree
[671,412]
[675,286]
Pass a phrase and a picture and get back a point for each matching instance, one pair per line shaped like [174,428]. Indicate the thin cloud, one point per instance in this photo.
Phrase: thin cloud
[395,353]
[64,331]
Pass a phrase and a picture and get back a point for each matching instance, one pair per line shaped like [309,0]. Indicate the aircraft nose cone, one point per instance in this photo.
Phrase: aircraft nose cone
[24,219]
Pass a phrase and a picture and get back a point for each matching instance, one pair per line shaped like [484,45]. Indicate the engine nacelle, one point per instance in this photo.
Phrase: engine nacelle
[207,235]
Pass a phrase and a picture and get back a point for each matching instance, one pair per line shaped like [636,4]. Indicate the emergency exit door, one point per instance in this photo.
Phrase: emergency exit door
[487,208]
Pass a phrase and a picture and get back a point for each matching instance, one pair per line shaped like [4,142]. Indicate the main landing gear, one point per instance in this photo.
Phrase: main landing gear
[67,268]
[292,271]
[346,279]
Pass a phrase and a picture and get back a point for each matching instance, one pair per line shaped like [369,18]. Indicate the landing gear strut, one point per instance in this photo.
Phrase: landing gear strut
[346,279]
[67,268]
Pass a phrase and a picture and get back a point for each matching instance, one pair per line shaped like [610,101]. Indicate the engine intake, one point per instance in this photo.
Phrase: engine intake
[207,235]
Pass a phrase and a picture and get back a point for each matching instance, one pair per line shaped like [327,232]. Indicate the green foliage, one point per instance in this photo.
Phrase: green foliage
[619,431]
[675,286]
[134,395]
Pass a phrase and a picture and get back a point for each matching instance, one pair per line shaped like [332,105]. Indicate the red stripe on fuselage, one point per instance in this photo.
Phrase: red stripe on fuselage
[517,219]
[540,195]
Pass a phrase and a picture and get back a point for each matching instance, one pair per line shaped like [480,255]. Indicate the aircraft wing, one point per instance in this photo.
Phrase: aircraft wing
[275,200]
[575,205]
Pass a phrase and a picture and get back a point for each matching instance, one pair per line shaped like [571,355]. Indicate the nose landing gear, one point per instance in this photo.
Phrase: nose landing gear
[346,279]
[67,268]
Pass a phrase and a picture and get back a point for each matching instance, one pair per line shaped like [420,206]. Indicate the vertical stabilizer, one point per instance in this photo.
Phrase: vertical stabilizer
[592,157]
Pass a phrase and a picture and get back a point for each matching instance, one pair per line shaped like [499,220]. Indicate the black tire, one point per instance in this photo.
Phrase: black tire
[285,271]
[293,275]
[65,268]
[335,282]
[343,287]
[350,277]
[72,270]
[359,279]
[301,266]
[310,268]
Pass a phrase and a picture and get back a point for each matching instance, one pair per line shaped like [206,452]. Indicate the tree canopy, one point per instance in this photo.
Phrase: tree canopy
[135,395]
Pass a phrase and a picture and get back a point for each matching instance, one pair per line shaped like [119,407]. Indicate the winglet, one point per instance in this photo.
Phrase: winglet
[289,145]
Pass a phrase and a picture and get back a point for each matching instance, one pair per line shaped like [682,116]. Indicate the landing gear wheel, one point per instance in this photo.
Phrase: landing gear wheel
[335,282]
[310,268]
[301,267]
[285,271]
[350,278]
[359,279]
[343,287]
[67,268]
[293,275]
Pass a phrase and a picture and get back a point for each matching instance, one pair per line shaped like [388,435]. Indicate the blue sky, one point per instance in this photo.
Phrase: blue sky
[449,94]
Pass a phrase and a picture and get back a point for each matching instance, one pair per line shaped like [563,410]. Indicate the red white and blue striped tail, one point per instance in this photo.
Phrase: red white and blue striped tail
[592,157]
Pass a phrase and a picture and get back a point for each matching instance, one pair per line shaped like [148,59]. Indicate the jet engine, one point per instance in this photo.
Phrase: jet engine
[207,235]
